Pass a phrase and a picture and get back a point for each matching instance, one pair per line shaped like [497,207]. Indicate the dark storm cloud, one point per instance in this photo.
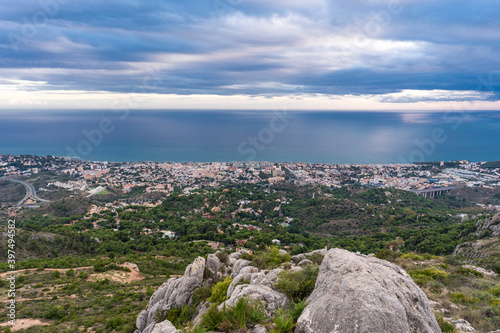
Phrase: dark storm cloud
[253,47]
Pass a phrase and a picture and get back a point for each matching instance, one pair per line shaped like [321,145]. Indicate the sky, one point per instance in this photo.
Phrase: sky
[250,54]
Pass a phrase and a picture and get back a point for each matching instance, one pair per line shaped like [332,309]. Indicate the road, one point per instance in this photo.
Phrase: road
[30,191]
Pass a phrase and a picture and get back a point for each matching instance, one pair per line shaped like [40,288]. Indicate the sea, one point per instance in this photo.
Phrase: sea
[275,135]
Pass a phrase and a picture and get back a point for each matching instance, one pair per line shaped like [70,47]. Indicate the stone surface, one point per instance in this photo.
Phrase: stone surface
[173,293]
[245,275]
[272,299]
[238,265]
[164,327]
[259,329]
[142,320]
[305,262]
[213,263]
[355,293]
[462,325]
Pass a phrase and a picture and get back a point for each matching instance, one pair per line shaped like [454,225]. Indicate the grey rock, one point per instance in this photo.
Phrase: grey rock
[245,275]
[355,293]
[296,269]
[298,258]
[142,320]
[202,308]
[238,265]
[260,279]
[462,325]
[235,255]
[149,328]
[282,252]
[272,276]
[272,299]
[213,263]
[174,293]
[305,262]
[164,327]
[320,251]
[259,329]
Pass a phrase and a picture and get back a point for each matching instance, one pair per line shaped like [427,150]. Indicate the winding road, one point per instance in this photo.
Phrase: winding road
[30,191]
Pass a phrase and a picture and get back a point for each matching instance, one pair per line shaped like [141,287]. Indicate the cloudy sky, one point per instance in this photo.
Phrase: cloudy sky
[250,54]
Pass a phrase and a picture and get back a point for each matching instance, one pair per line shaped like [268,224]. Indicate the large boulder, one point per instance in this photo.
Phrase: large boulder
[355,293]
[213,263]
[238,265]
[172,294]
[164,327]
[272,299]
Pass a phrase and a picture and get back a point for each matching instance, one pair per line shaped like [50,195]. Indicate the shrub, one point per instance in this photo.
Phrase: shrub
[495,291]
[55,312]
[219,291]
[201,294]
[243,314]
[413,256]
[213,318]
[271,259]
[56,274]
[83,275]
[297,285]
[284,322]
[222,257]
[423,276]
[461,298]
[298,308]
[316,258]
[444,326]
[70,273]
[179,317]
[99,266]
[114,323]
[468,272]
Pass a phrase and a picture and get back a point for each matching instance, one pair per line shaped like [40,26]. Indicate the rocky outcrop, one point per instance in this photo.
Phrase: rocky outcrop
[353,293]
[356,293]
[272,299]
[462,325]
[164,327]
[173,293]
[491,225]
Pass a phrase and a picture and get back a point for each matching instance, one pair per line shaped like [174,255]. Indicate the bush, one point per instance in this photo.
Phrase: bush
[284,322]
[468,272]
[83,275]
[463,299]
[99,266]
[297,285]
[179,317]
[114,323]
[201,294]
[55,312]
[56,274]
[70,273]
[413,256]
[219,291]
[298,308]
[222,257]
[271,259]
[423,276]
[243,314]
[444,326]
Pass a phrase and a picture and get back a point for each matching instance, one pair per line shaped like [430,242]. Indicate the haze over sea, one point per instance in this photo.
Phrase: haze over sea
[210,136]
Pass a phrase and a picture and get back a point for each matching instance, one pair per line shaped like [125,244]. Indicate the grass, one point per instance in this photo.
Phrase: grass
[462,292]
